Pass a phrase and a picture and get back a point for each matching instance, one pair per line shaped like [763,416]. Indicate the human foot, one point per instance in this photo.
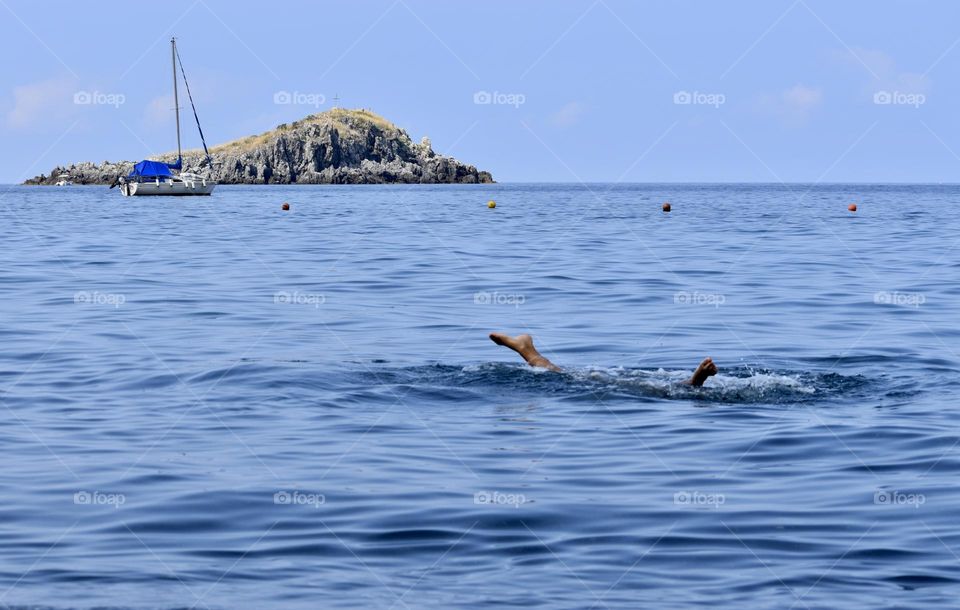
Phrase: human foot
[706,369]
[517,344]
[523,345]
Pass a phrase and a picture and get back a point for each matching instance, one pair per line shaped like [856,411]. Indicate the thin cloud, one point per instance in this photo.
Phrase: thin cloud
[794,105]
[802,99]
[888,75]
[568,115]
[159,110]
[42,102]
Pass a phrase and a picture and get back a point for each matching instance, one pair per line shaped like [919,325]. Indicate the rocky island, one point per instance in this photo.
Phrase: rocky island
[338,146]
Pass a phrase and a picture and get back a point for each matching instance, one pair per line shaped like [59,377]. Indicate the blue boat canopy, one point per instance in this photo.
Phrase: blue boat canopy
[154,169]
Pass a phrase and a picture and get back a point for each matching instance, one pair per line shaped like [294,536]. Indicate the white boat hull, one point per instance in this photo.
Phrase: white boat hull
[177,187]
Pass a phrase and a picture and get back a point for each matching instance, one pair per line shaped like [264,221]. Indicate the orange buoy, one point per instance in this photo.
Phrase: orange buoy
[666,207]
[852,207]
[285,206]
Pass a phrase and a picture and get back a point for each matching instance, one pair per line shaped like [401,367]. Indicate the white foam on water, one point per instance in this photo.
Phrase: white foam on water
[753,386]
[737,385]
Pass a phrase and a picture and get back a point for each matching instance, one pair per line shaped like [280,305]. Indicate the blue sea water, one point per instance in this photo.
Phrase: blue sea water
[211,403]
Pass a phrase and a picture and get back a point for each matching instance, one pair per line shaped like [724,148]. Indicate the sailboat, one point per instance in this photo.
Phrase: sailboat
[158,178]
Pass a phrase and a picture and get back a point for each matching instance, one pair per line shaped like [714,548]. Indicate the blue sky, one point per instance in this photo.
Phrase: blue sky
[605,90]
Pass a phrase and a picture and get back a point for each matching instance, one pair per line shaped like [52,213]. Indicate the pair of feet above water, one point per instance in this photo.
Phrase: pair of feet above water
[523,345]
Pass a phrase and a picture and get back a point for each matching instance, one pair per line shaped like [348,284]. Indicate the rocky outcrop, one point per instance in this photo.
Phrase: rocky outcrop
[334,147]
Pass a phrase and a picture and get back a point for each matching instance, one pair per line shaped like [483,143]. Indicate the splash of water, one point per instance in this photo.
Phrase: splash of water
[742,385]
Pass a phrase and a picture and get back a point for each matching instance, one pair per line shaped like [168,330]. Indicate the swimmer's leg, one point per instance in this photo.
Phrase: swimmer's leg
[523,345]
[706,369]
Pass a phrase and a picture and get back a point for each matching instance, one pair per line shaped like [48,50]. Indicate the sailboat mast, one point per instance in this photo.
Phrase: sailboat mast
[176,101]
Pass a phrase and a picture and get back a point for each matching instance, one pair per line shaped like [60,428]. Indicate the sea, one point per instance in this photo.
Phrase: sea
[211,402]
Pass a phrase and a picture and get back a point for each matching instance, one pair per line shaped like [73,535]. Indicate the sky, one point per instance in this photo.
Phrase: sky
[532,91]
